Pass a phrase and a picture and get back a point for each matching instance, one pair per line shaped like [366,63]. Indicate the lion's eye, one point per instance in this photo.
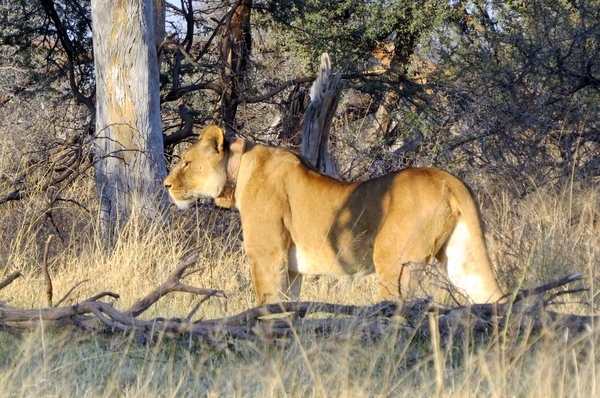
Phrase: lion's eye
[185,165]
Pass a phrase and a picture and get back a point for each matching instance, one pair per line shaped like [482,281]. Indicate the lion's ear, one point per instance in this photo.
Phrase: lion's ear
[212,138]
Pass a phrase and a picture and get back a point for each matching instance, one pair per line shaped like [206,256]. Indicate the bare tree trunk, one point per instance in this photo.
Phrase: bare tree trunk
[325,95]
[236,45]
[129,145]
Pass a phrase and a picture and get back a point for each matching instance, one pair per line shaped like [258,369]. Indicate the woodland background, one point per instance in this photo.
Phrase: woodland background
[505,89]
[504,94]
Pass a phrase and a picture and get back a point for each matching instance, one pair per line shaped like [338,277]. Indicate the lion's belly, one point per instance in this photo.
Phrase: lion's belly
[313,262]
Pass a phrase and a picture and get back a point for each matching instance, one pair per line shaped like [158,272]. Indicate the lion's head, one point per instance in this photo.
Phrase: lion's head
[201,171]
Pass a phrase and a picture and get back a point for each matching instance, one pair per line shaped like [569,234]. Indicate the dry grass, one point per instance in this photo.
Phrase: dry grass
[534,239]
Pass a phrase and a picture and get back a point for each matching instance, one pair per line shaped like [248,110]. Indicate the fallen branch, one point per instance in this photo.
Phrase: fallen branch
[417,318]
[91,314]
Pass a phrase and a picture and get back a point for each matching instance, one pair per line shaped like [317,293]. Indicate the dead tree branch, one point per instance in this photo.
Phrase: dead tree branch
[91,314]
[318,117]
[417,318]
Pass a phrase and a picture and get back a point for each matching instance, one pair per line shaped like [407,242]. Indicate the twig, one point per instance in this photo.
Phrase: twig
[197,306]
[549,300]
[45,271]
[524,293]
[9,279]
[170,285]
[70,291]
[103,294]
[186,131]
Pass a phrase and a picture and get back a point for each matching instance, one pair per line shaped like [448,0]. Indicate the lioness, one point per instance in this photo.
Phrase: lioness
[297,221]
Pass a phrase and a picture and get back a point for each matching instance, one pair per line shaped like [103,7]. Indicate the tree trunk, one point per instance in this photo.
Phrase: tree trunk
[324,95]
[236,45]
[129,146]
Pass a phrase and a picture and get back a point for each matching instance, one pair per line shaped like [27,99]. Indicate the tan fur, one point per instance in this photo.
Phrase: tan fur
[297,221]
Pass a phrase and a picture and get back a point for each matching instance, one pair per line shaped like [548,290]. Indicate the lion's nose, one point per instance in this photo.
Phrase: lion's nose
[167,185]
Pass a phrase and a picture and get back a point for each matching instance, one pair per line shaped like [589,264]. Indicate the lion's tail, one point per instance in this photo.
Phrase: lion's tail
[469,265]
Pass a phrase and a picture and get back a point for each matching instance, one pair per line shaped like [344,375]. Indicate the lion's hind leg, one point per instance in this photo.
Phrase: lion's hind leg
[399,265]
[468,265]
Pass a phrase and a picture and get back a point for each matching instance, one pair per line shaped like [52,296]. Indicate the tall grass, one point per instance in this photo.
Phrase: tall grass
[533,239]
[62,363]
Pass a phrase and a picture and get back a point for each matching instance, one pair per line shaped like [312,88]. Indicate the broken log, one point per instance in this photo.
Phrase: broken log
[416,317]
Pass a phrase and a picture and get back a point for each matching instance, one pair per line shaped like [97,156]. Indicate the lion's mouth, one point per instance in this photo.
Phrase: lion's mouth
[182,202]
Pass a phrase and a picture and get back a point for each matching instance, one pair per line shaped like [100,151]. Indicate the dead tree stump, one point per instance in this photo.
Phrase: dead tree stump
[325,95]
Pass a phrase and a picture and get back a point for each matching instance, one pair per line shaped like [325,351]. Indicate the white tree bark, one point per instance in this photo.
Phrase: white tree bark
[324,98]
[130,166]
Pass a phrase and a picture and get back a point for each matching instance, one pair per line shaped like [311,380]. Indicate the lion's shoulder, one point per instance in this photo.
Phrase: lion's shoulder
[271,158]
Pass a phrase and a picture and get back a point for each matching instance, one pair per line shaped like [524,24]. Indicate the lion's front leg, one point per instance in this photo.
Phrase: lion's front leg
[267,242]
[268,276]
[269,263]
[273,282]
